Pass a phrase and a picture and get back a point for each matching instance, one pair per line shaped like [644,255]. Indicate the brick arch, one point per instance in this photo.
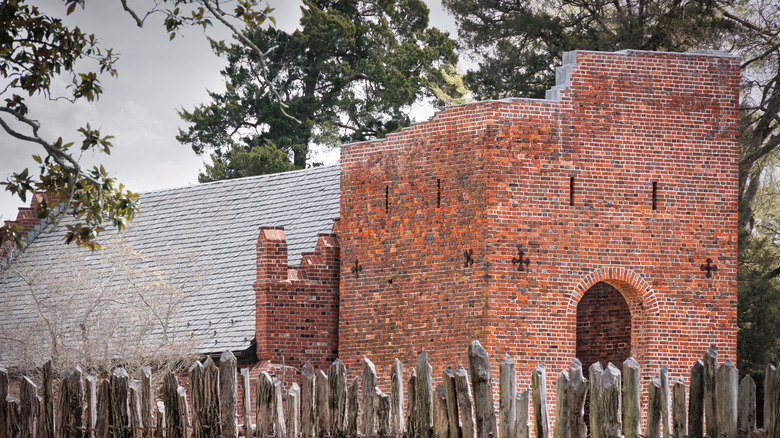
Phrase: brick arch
[638,294]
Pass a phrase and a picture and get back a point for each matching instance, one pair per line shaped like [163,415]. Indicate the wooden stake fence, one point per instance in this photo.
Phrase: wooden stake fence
[326,406]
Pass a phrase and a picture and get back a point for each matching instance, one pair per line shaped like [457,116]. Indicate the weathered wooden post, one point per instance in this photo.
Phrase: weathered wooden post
[174,427]
[48,400]
[352,409]
[323,410]
[451,399]
[726,390]
[136,422]
[465,406]
[28,407]
[103,410]
[3,395]
[210,415]
[523,427]
[746,417]
[368,383]
[72,404]
[770,390]
[147,402]
[596,416]
[91,398]
[539,394]
[654,408]
[195,375]
[610,402]
[411,413]
[382,412]
[577,391]
[632,402]
[228,391]
[246,397]
[696,401]
[440,416]
[562,427]
[397,398]
[663,374]
[14,418]
[161,426]
[507,392]
[337,397]
[183,411]
[424,396]
[308,410]
[679,415]
[710,361]
[278,410]
[479,369]
[264,399]
[293,411]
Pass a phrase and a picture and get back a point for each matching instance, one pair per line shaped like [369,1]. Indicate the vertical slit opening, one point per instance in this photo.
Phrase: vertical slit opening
[655,195]
[571,191]
[438,192]
[387,199]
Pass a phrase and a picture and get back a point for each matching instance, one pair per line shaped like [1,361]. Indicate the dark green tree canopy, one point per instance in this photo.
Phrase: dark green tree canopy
[518,43]
[349,73]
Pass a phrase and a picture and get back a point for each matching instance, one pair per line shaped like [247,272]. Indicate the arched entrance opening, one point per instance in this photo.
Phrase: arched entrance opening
[603,327]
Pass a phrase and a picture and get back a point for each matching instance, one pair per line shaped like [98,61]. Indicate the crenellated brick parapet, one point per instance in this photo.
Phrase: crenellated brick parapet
[297,307]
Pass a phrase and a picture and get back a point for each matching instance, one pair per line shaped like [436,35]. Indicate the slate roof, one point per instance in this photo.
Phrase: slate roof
[200,239]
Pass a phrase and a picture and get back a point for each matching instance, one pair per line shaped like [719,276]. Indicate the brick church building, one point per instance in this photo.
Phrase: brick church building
[598,223]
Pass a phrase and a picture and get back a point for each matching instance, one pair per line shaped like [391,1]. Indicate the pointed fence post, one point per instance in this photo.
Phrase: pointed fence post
[746,418]
[666,400]
[264,398]
[596,416]
[3,396]
[228,391]
[136,422]
[246,398]
[147,402]
[578,389]
[14,418]
[91,399]
[308,409]
[48,399]
[610,402]
[482,383]
[451,399]
[210,415]
[278,410]
[562,427]
[696,401]
[507,392]
[397,398]
[195,375]
[294,411]
[103,410]
[382,413]
[161,426]
[654,408]
[523,427]
[323,411]
[424,396]
[632,402]
[679,415]
[411,413]
[170,396]
[440,416]
[465,407]
[770,388]
[337,397]
[710,401]
[539,393]
[726,391]
[28,408]
[181,399]
[352,409]
[368,383]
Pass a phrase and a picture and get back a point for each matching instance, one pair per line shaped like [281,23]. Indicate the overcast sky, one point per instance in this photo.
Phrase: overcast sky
[156,77]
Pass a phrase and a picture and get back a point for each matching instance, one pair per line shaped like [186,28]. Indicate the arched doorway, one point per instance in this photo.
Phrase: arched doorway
[603,327]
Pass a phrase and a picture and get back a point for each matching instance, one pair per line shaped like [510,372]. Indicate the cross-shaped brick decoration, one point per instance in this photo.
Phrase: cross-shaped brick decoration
[709,267]
[356,269]
[519,260]
[468,255]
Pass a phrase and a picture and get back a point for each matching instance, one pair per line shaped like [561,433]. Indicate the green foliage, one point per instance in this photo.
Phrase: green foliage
[518,44]
[349,73]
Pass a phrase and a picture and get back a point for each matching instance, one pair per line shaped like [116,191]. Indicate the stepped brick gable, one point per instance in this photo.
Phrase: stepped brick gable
[497,220]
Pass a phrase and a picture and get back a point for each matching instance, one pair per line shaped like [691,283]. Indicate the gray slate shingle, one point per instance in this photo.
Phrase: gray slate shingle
[203,238]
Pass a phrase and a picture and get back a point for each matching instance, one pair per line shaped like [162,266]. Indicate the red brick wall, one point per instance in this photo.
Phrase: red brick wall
[491,175]
[603,327]
[297,309]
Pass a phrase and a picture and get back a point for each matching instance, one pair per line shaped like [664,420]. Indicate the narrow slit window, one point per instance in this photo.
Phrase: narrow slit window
[387,199]
[655,195]
[571,191]
[438,193]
